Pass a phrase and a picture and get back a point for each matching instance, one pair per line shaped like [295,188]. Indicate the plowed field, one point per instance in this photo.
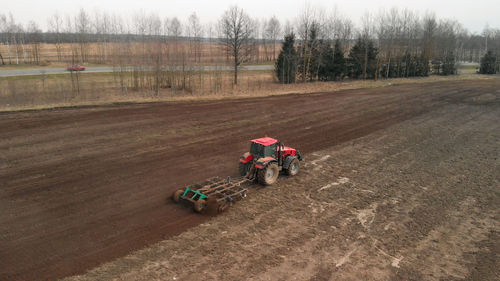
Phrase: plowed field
[83,186]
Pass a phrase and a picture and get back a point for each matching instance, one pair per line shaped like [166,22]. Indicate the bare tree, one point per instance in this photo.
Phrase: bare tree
[262,38]
[195,33]
[156,52]
[366,33]
[174,31]
[272,33]
[305,23]
[68,28]
[101,26]
[288,28]
[339,27]
[387,29]
[175,28]
[55,23]
[237,30]
[487,32]
[82,24]
[34,38]
[3,28]
[9,29]
[304,26]
[429,26]
[257,34]
[446,45]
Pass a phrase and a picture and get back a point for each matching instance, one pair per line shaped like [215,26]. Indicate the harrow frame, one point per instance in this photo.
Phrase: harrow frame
[222,192]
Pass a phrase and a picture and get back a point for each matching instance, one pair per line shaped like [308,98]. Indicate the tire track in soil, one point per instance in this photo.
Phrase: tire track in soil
[97,195]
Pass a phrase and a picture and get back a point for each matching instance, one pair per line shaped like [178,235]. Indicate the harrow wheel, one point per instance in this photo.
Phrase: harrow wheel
[200,205]
[177,195]
[268,175]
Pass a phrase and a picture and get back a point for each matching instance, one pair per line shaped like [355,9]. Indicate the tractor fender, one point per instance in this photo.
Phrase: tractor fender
[246,157]
[263,162]
[299,156]
[287,161]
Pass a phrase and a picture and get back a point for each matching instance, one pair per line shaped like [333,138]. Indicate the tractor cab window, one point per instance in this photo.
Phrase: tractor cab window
[259,150]
[270,150]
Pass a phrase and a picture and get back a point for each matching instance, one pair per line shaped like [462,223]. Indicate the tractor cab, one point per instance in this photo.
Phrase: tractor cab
[264,147]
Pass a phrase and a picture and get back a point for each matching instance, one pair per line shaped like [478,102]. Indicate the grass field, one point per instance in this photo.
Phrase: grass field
[108,53]
[48,91]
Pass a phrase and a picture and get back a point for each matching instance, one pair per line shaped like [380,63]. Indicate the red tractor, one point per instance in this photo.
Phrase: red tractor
[266,158]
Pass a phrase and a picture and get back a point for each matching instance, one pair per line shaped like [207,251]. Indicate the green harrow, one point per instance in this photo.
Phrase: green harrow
[216,192]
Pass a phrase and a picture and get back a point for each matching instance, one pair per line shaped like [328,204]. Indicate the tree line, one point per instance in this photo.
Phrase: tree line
[389,44]
[326,46]
[102,29]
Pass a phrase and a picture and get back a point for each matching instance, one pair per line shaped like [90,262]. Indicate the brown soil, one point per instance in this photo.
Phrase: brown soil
[85,186]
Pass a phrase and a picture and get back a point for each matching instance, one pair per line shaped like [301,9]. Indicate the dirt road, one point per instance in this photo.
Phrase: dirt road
[84,186]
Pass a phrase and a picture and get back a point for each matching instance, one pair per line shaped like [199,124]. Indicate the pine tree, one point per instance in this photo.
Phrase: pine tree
[362,54]
[316,48]
[286,65]
[333,64]
[448,67]
[488,64]
[325,69]
[339,62]
[423,66]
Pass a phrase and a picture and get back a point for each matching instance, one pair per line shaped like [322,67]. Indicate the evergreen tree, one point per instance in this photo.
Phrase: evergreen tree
[325,68]
[406,66]
[339,62]
[316,47]
[488,64]
[286,65]
[363,56]
[448,67]
[423,66]
[333,63]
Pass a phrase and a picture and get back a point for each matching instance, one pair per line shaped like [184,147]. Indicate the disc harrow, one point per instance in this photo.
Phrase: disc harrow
[214,193]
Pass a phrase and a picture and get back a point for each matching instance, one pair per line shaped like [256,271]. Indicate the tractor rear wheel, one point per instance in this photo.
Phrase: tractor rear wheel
[244,168]
[200,205]
[268,175]
[177,195]
[293,167]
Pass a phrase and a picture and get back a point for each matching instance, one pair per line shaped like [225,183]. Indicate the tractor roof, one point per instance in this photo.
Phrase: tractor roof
[265,141]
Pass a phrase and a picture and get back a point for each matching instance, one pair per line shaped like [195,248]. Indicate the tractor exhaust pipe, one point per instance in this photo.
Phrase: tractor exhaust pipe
[280,161]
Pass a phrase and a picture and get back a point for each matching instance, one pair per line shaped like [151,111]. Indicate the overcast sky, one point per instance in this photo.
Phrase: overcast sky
[473,14]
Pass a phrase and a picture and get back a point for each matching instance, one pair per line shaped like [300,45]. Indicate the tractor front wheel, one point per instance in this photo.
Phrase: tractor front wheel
[244,168]
[293,167]
[268,175]
[200,205]
[177,195]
